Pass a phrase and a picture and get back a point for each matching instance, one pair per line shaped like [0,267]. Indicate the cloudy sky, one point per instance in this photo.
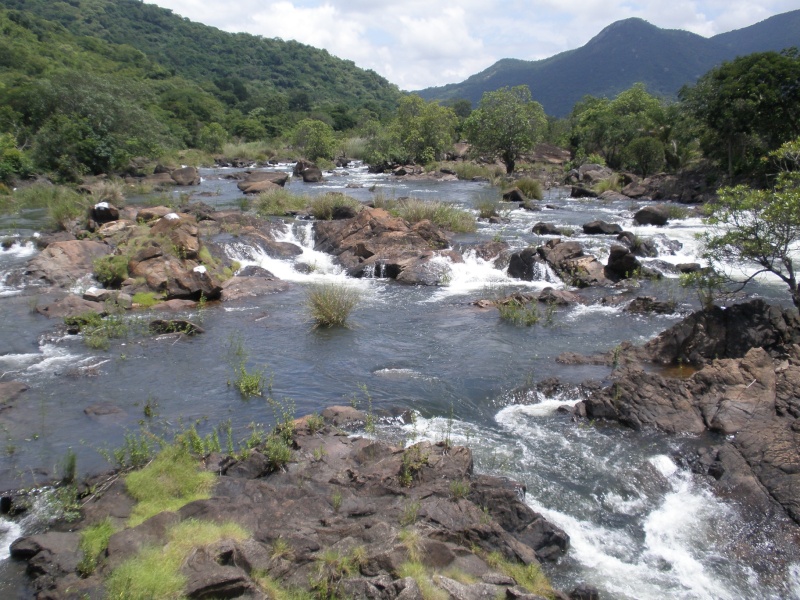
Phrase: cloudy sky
[422,43]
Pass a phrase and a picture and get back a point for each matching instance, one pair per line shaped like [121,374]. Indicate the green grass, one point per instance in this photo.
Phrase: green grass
[611,184]
[109,190]
[470,170]
[528,576]
[420,574]
[445,215]
[330,304]
[111,270]
[531,188]
[62,203]
[254,151]
[322,207]
[487,208]
[275,591]
[280,202]
[94,541]
[154,573]
[170,481]
[146,299]
[519,313]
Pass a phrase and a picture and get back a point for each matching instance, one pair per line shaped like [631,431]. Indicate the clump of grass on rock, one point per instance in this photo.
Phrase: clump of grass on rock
[280,202]
[532,188]
[443,214]
[330,304]
[324,207]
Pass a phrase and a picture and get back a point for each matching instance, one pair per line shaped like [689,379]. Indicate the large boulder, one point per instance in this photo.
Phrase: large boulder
[622,263]
[181,230]
[312,175]
[260,181]
[374,243]
[63,263]
[186,176]
[651,215]
[571,263]
[601,227]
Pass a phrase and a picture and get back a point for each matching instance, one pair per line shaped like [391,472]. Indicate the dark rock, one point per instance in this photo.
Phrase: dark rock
[104,212]
[70,306]
[601,227]
[514,195]
[343,212]
[10,391]
[580,192]
[650,305]
[312,175]
[572,265]
[651,215]
[546,229]
[622,263]
[104,410]
[584,592]
[526,265]
[644,247]
[689,267]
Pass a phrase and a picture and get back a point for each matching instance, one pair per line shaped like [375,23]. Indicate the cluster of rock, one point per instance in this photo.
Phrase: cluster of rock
[733,371]
[337,494]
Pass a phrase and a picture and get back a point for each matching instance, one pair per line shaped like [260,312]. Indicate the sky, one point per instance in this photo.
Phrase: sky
[422,43]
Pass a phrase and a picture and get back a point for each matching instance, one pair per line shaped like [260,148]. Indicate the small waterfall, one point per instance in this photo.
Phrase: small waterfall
[376,270]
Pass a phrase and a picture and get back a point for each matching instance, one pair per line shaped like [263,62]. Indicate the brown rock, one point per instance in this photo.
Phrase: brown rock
[63,263]
[186,176]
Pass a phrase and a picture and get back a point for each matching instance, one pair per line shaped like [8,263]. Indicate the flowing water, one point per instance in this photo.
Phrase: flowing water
[641,527]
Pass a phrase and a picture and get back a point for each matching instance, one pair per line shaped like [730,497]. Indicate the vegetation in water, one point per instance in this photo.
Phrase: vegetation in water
[330,304]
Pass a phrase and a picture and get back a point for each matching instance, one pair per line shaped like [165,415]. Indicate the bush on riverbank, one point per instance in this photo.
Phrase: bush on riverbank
[414,210]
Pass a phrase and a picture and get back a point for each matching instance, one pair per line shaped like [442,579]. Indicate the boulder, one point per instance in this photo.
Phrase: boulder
[10,391]
[63,263]
[514,195]
[70,306]
[152,213]
[622,263]
[527,265]
[104,212]
[650,305]
[243,286]
[601,227]
[639,246]
[651,215]
[312,175]
[257,187]
[165,326]
[582,192]
[546,229]
[182,231]
[185,176]
[572,265]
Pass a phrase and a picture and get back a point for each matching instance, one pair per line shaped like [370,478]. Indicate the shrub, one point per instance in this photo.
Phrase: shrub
[519,313]
[94,541]
[531,188]
[280,202]
[278,452]
[487,208]
[322,207]
[330,304]
[611,183]
[111,270]
[109,190]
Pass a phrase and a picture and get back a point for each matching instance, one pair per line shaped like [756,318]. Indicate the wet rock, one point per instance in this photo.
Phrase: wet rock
[689,267]
[601,227]
[514,195]
[70,306]
[651,215]
[650,305]
[572,265]
[584,592]
[546,229]
[243,286]
[581,192]
[622,263]
[63,263]
[312,175]
[104,212]
[10,391]
[104,411]
[526,265]
[639,246]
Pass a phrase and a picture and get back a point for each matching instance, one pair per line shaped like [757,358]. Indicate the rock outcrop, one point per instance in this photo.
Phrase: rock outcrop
[374,243]
[338,496]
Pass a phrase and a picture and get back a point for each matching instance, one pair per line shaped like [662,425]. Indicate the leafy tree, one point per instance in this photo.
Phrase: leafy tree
[315,139]
[424,130]
[607,127]
[13,161]
[507,123]
[212,137]
[759,226]
[645,155]
[747,108]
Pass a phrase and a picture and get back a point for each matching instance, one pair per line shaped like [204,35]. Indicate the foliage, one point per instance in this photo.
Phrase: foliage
[248,383]
[111,270]
[330,304]
[459,489]
[747,107]
[155,572]
[212,138]
[417,571]
[424,130]
[487,208]
[322,207]
[645,155]
[411,463]
[759,226]
[470,170]
[607,127]
[507,123]
[14,161]
[172,480]
[61,203]
[315,139]
[145,299]
[278,452]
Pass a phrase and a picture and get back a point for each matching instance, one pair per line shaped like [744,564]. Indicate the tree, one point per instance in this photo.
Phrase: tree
[424,130]
[760,226]
[645,155]
[315,139]
[747,108]
[507,123]
[212,137]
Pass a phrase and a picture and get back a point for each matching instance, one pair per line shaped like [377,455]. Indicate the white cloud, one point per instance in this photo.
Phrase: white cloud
[422,43]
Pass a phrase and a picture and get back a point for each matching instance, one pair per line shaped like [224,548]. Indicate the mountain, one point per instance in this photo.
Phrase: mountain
[225,60]
[624,53]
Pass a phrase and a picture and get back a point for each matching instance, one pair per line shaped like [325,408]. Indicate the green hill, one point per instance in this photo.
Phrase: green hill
[624,53]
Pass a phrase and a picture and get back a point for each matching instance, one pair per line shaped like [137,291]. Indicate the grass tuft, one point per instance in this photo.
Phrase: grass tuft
[322,207]
[445,215]
[528,576]
[531,188]
[280,202]
[330,304]
[170,481]
[94,541]
[519,313]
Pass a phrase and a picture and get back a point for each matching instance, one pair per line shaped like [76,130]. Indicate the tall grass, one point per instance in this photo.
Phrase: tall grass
[447,216]
[255,151]
[322,207]
[470,170]
[532,188]
[155,572]
[62,203]
[330,304]
[109,190]
[487,208]
[280,202]
[353,148]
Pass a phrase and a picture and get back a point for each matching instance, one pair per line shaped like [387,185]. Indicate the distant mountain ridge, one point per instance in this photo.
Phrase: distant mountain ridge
[624,53]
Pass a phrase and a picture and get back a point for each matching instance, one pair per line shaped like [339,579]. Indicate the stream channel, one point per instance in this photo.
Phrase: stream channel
[641,526]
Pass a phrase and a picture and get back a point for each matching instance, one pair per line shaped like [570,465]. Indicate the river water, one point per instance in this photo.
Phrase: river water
[641,527]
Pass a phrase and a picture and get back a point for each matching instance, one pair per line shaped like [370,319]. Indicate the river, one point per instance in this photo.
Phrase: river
[641,526]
